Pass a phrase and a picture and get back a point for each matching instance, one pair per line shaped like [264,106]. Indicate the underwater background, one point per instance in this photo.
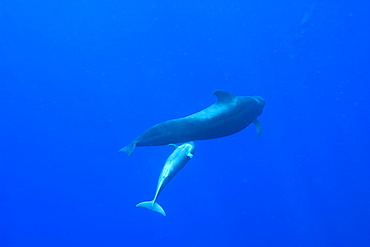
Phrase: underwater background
[81,79]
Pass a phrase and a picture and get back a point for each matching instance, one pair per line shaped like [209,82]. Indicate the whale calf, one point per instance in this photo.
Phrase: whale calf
[175,162]
[229,115]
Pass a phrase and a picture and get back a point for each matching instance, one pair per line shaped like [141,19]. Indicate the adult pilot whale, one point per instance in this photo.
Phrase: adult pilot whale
[229,115]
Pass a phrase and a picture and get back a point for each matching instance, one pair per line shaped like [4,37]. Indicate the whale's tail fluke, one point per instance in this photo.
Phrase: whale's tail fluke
[152,206]
[129,149]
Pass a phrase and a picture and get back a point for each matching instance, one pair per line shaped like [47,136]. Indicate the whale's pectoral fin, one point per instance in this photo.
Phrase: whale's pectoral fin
[258,126]
[129,149]
[173,145]
[152,206]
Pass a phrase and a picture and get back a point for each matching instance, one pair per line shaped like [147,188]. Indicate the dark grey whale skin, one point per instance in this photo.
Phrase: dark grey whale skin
[229,115]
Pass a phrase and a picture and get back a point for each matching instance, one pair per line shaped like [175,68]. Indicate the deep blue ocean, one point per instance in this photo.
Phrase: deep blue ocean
[81,79]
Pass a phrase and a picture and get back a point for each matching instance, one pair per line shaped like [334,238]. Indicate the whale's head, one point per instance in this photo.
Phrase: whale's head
[255,105]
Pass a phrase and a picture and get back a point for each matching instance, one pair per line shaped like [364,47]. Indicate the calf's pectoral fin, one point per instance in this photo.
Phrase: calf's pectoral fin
[258,126]
[173,145]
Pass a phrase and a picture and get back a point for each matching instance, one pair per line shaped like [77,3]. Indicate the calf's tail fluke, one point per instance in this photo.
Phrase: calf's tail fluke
[151,205]
[129,149]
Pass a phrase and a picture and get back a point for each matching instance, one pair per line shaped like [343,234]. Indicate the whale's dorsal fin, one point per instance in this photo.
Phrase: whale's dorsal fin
[223,96]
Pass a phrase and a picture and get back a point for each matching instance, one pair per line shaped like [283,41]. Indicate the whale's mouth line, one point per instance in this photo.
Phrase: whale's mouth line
[259,100]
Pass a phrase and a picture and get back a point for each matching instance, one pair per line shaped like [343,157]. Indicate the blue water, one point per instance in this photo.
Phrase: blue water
[81,79]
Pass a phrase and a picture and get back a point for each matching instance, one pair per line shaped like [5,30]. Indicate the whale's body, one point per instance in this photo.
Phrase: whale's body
[175,162]
[229,115]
